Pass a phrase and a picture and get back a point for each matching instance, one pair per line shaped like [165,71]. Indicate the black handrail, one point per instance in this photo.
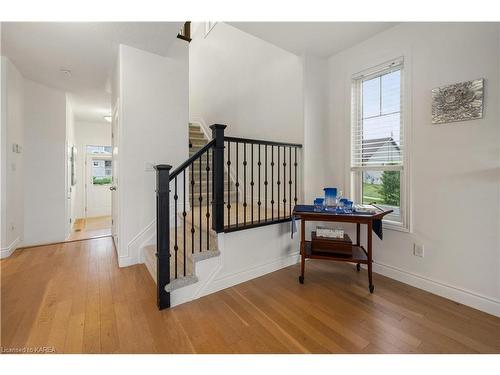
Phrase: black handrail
[188,162]
[261,142]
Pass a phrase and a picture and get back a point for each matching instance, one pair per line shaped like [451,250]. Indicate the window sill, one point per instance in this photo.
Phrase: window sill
[392,225]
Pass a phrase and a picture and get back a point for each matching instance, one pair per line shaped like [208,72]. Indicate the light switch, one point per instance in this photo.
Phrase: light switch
[149,166]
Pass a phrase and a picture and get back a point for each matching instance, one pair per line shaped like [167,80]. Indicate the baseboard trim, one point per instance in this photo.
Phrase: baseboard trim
[66,241]
[7,251]
[126,261]
[465,297]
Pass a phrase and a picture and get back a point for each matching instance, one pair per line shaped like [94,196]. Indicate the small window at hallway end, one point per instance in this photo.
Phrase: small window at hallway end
[99,150]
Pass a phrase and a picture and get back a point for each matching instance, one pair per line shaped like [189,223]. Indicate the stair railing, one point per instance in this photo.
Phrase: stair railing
[185,224]
[267,182]
[229,184]
[185,32]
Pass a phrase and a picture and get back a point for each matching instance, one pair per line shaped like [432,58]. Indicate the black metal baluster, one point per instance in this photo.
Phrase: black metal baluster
[176,248]
[284,181]
[192,207]
[237,185]
[200,199]
[184,218]
[259,202]
[251,181]
[272,183]
[290,180]
[265,182]
[295,165]
[208,200]
[229,184]
[244,183]
[278,182]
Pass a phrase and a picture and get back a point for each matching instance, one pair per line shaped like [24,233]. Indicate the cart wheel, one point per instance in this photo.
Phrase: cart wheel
[358,267]
[301,279]
[371,288]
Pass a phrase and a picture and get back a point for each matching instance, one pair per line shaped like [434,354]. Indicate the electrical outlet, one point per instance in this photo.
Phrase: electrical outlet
[418,250]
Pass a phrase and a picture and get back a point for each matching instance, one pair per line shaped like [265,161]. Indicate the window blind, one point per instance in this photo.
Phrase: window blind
[377,132]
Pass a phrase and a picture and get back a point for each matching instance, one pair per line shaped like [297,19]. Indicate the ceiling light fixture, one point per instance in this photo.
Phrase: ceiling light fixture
[107,118]
[66,72]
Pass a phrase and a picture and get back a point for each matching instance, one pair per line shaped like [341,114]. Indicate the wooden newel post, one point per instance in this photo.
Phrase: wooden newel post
[162,234]
[218,178]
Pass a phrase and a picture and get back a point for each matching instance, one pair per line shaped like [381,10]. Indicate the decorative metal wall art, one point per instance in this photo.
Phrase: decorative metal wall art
[459,102]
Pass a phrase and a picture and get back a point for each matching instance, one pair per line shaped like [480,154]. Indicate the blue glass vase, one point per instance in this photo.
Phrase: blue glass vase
[330,197]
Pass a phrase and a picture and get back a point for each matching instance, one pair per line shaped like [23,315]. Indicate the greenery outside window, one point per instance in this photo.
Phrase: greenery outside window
[102,172]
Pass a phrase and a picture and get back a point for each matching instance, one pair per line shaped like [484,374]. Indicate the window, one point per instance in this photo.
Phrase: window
[102,172]
[99,150]
[377,141]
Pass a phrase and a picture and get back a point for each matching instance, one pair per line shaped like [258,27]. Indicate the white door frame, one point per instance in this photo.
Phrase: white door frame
[115,194]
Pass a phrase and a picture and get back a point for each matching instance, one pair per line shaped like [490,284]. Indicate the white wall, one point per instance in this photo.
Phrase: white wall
[87,134]
[12,162]
[70,141]
[44,164]
[2,138]
[454,168]
[252,86]
[153,118]
[315,72]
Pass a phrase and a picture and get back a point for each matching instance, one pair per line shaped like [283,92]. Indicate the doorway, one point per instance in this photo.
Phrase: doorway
[98,179]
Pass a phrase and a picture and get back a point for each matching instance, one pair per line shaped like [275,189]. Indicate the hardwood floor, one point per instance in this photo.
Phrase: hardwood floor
[91,227]
[74,298]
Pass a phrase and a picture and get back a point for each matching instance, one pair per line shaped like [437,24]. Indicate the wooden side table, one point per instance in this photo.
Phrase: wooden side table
[360,255]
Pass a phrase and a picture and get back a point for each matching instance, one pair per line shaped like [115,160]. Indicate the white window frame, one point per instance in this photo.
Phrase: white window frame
[356,172]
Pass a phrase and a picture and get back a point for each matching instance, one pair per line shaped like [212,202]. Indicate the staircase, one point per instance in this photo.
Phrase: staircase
[228,184]
[183,273]
[197,140]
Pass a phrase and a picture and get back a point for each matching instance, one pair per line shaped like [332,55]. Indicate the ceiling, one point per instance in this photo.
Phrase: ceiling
[88,49]
[321,39]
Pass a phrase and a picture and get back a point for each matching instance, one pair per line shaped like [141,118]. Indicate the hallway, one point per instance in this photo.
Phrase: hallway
[81,302]
[91,227]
